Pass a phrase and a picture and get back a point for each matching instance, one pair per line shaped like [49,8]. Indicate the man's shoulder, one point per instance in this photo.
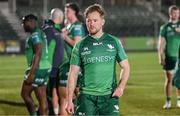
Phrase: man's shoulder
[165,25]
[110,37]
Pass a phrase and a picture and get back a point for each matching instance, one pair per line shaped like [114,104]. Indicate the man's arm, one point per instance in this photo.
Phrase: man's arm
[70,41]
[124,75]
[161,47]
[72,80]
[35,62]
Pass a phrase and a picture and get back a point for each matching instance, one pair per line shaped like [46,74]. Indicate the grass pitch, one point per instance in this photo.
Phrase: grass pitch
[144,94]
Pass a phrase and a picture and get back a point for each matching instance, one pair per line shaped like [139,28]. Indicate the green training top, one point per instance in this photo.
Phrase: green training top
[75,29]
[172,38]
[35,38]
[51,49]
[97,59]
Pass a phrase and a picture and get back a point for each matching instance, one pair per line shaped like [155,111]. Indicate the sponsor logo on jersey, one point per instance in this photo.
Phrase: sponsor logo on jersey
[174,25]
[98,59]
[86,51]
[97,44]
[39,80]
[81,114]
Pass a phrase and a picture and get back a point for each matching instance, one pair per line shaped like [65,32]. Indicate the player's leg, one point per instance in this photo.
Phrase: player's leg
[40,93]
[63,97]
[62,92]
[169,67]
[26,95]
[26,92]
[49,99]
[40,83]
[55,101]
[168,89]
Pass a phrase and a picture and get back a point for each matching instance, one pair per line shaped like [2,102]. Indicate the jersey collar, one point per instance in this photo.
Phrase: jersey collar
[99,39]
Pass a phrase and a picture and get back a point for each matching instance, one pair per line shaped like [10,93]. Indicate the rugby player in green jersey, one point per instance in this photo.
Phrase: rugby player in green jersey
[74,32]
[96,55]
[36,76]
[168,50]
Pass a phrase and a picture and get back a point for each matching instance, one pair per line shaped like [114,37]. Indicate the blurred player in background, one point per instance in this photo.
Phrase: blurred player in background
[96,56]
[51,28]
[73,32]
[36,76]
[168,50]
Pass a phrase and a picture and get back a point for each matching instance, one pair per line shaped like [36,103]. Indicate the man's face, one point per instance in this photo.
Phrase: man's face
[94,22]
[27,26]
[69,13]
[174,15]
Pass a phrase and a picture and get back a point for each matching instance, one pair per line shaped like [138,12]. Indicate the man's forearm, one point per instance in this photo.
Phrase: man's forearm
[71,86]
[69,41]
[124,76]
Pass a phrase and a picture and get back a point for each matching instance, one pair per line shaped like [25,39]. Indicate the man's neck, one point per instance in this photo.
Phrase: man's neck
[173,21]
[74,20]
[98,35]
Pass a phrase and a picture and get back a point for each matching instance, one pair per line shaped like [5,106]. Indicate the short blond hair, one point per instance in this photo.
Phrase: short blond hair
[95,8]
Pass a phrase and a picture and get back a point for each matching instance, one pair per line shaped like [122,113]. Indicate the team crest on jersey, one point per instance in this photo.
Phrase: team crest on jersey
[110,46]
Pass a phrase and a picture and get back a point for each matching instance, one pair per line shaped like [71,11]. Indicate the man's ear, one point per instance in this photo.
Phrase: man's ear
[103,22]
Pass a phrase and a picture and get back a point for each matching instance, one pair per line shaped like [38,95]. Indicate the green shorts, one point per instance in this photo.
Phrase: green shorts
[170,63]
[97,105]
[40,78]
[63,75]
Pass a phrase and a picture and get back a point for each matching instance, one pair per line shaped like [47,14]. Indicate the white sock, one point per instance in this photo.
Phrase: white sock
[56,110]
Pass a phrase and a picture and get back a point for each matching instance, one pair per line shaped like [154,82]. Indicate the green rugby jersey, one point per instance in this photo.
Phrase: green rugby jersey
[75,29]
[97,59]
[37,37]
[172,38]
[51,49]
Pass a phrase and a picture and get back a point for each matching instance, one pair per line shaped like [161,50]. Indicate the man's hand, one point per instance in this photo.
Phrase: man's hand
[70,108]
[29,79]
[65,32]
[177,30]
[118,92]
[161,61]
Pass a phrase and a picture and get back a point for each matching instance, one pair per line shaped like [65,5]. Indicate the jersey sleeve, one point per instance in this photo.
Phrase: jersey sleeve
[78,30]
[162,31]
[121,55]
[36,38]
[75,56]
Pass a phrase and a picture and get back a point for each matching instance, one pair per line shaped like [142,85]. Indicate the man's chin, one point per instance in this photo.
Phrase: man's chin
[92,33]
